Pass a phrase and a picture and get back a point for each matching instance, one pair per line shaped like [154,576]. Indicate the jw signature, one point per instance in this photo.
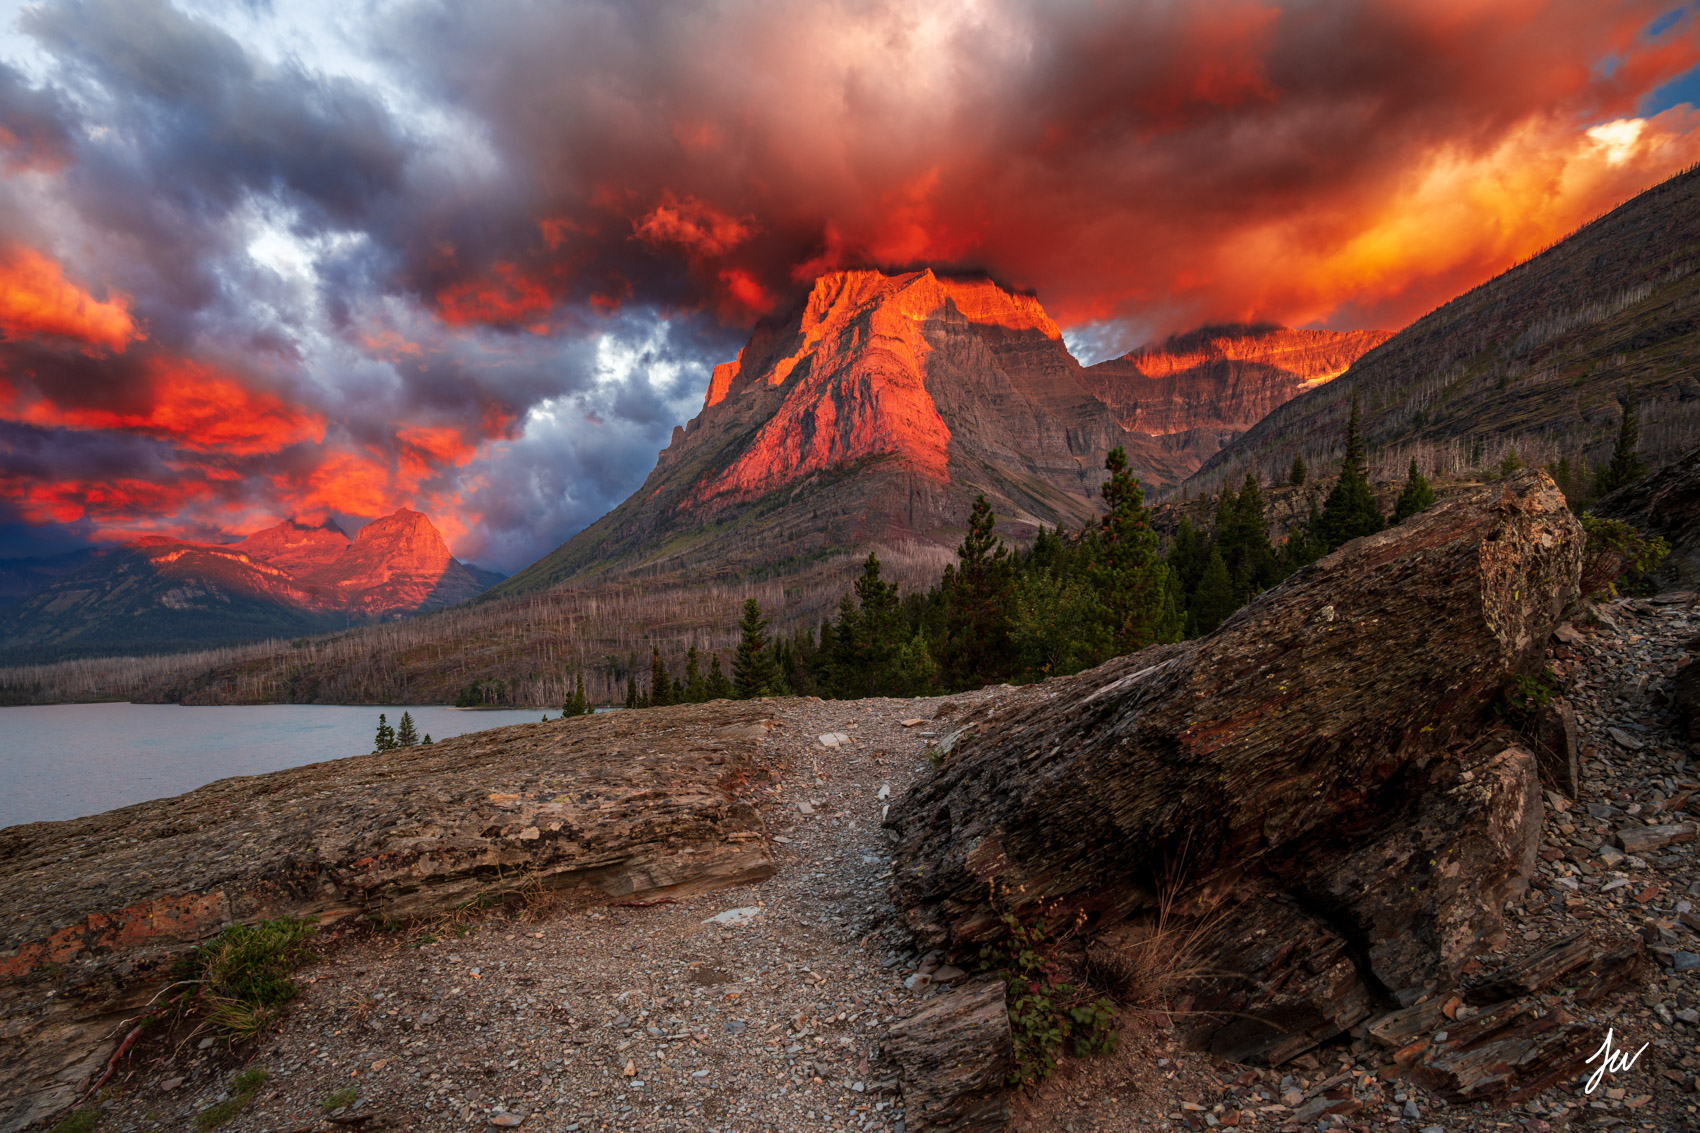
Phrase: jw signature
[1611,1062]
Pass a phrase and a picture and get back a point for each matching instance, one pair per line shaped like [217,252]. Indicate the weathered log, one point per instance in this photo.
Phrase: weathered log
[1315,770]
[97,910]
[954,1055]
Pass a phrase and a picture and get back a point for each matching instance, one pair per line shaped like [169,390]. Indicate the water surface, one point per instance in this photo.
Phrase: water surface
[68,760]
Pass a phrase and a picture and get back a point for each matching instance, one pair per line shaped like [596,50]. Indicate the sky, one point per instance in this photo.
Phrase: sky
[263,260]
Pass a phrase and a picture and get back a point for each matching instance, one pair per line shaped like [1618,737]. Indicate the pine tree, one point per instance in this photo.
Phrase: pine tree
[385,740]
[631,693]
[1510,463]
[1626,465]
[1126,570]
[406,734]
[884,628]
[1416,496]
[1297,476]
[696,688]
[719,688]
[979,606]
[578,704]
[752,665]
[426,742]
[1350,510]
[660,685]
[1252,562]
[1216,597]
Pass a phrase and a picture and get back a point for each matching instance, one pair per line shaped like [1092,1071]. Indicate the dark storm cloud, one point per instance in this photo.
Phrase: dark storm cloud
[33,131]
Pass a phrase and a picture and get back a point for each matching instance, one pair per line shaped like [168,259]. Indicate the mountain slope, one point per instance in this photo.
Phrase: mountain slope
[872,415]
[166,595]
[1198,391]
[1535,359]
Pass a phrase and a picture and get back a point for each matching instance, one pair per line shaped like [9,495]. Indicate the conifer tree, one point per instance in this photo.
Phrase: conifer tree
[660,685]
[1216,597]
[1129,576]
[1510,463]
[578,704]
[1350,510]
[632,693]
[1626,465]
[696,686]
[385,740]
[1571,483]
[1252,562]
[719,688]
[1416,496]
[752,666]
[883,628]
[426,742]
[979,605]
[406,733]
[1297,476]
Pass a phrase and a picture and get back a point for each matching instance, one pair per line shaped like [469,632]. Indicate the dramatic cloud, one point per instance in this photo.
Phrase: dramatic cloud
[311,259]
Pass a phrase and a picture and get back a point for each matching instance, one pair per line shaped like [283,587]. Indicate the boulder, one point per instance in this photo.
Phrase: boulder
[1318,783]
[954,1056]
[1665,503]
[97,910]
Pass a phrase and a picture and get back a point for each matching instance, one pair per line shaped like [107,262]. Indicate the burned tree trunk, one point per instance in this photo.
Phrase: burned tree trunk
[1317,776]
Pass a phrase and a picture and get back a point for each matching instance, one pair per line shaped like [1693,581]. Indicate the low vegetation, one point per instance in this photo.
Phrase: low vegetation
[246,976]
[242,1090]
[1046,1015]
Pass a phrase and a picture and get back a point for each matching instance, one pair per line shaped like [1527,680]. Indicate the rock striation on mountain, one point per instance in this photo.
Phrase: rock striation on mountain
[161,594]
[1200,390]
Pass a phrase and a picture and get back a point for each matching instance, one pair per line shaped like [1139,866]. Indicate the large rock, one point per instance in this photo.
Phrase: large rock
[955,1055]
[1665,503]
[95,911]
[1317,779]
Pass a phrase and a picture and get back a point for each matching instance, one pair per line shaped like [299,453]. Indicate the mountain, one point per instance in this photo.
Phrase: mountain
[875,412]
[1536,360]
[167,595]
[1198,391]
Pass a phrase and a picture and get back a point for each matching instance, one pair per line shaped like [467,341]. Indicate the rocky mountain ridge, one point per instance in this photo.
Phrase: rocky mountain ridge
[873,414]
[162,594]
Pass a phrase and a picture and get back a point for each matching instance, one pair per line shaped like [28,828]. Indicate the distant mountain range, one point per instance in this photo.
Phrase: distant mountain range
[876,411]
[164,595]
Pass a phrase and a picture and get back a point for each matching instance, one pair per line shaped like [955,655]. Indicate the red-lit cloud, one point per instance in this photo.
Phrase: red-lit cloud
[37,301]
[270,295]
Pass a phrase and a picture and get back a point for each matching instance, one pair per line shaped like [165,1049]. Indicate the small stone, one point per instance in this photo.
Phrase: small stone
[506,1120]
[1684,961]
[1293,1098]
[1568,634]
[1642,839]
[735,916]
[949,973]
[1410,1112]
[912,722]
[1624,739]
[805,808]
[918,982]
[884,792]
[630,1069]
[171,1083]
[205,1043]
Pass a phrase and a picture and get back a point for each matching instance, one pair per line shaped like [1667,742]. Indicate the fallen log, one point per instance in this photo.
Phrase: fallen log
[1317,777]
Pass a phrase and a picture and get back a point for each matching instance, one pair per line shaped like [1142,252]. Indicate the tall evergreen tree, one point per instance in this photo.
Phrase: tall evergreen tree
[1129,575]
[406,734]
[385,740]
[1252,562]
[632,693]
[752,667]
[660,684]
[696,685]
[719,688]
[1350,510]
[578,704]
[1216,597]
[884,628]
[1296,477]
[1416,496]
[1626,465]
[979,605]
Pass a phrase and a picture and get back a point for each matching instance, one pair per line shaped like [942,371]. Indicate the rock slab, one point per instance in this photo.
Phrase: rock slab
[954,1055]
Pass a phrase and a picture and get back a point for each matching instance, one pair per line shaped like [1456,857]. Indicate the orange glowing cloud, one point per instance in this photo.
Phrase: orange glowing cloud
[37,301]
[507,299]
[341,482]
[692,226]
[424,451]
[189,404]
[67,501]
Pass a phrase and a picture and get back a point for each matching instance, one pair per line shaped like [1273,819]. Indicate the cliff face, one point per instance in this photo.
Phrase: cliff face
[874,413]
[161,595]
[1199,391]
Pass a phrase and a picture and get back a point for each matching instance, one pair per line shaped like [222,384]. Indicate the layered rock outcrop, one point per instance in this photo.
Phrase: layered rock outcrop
[1665,503]
[595,808]
[1318,788]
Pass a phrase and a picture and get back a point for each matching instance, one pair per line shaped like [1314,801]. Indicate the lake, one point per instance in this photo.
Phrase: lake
[69,760]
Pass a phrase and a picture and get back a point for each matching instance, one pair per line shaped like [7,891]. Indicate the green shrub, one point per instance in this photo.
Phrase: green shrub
[80,1121]
[1044,1014]
[1614,551]
[343,1097]
[246,972]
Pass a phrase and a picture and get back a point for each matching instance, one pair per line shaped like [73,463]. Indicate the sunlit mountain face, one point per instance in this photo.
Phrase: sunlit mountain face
[314,262]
